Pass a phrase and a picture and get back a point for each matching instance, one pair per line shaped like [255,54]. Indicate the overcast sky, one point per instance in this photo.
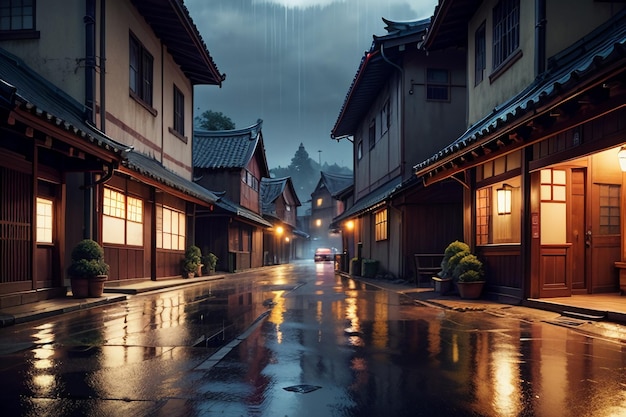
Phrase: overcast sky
[291,63]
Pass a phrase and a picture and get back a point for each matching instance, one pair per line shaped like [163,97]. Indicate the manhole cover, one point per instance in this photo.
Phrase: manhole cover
[303,389]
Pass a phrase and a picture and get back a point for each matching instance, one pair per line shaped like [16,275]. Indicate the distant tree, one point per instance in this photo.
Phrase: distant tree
[214,120]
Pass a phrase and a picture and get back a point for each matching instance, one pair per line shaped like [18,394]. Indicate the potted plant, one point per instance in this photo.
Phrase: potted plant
[210,261]
[369,267]
[453,254]
[87,270]
[469,276]
[192,261]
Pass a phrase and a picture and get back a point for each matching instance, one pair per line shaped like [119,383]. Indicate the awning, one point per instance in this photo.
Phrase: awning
[370,202]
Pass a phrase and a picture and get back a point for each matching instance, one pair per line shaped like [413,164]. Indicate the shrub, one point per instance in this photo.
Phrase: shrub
[87,260]
[193,259]
[209,261]
[469,269]
[448,264]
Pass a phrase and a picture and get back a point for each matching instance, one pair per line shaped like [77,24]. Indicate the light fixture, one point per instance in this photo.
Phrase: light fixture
[621,155]
[350,225]
[279,230]
[504,199]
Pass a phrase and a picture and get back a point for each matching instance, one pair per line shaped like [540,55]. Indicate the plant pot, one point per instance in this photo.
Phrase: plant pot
[96,286]
[80,287]
[443,285]
[199,270]
[470,290]
[369,268]
[355,267]
[189,274]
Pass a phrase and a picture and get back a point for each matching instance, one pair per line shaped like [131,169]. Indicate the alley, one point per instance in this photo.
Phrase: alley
[310,343]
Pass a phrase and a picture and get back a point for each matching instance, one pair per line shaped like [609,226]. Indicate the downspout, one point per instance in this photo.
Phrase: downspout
[103,59]
[90,62]
[540,37]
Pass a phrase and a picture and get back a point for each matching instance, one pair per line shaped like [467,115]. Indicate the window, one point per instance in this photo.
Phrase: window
[318,222]
[248,178]
[380,225]
[553,184]
[483,216]
[372,133]
[170,228]
[44,220]
[179,111]
[140,71]
[359,150]
[437,84]
[17,15]
[480,59]
[505,30]
[122,219]
[319,202]
[609,209]
[385,118]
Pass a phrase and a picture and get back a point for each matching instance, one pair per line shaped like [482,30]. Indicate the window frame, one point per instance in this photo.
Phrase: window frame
[505,32]
[372,133]
[141,72]
[178,122]
[22,32]
[480,53]
[129,210]
[179,232]
[45,221]
[381,225]
[435,88]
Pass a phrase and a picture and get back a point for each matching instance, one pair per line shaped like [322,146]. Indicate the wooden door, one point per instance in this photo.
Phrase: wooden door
[578,230]
[603,237]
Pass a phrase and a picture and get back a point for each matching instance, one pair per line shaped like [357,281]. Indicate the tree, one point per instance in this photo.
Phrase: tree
[214,120]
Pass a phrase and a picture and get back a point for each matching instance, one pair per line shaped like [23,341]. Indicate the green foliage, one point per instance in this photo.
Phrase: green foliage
[193,259]
[469,269]
[214,120]
[450,258]
[87,260]
[209,261]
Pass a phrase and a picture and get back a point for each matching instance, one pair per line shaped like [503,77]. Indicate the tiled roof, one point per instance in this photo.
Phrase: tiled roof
[171,22]
[336,183]
[271,189]
[24,87]
[152,168]
[374,71]
[219,149]
[567,71]
[371,201]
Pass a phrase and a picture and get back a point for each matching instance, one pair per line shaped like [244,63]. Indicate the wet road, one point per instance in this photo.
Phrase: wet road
[323,346]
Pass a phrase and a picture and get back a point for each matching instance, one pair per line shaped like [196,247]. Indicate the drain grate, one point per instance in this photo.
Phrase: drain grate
[303,389]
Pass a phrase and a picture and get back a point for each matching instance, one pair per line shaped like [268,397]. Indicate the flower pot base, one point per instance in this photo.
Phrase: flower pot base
[443,285]
[470,290]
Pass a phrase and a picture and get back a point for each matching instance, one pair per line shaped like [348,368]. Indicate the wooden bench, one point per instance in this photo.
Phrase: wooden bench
[426,265]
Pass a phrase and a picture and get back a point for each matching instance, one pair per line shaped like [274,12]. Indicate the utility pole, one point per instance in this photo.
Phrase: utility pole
[319,153]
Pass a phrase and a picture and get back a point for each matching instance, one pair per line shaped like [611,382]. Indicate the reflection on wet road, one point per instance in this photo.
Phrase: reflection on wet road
[329,346]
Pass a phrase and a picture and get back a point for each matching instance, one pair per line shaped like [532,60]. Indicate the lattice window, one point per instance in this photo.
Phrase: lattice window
[44,220]
[483,215]
[380,225]
[609,209]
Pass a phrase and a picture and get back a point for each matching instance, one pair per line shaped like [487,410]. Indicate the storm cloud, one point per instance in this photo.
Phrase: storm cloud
[291,63]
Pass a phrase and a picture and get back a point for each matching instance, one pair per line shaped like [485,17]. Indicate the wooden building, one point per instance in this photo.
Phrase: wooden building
[540,160]
[232,162]
[104,149]
[393,114]
[279,206]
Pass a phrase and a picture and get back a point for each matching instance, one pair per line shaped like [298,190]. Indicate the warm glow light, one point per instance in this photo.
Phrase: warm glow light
[621,155]
[287,239]
[504,200]
[350,225]
[279,230]
[318,222]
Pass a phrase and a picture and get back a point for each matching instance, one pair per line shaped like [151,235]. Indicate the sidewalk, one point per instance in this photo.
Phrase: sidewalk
[112,294]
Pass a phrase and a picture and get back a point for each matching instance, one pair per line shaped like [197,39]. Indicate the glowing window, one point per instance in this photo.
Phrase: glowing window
[44,220]
[380,225]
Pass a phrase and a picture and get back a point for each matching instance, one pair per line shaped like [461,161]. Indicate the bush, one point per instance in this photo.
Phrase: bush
[448,264]
[193,259]
[469,269]
[87,260]
[209,261]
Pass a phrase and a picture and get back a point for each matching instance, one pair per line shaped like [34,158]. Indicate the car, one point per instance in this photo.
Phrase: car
[323,254]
